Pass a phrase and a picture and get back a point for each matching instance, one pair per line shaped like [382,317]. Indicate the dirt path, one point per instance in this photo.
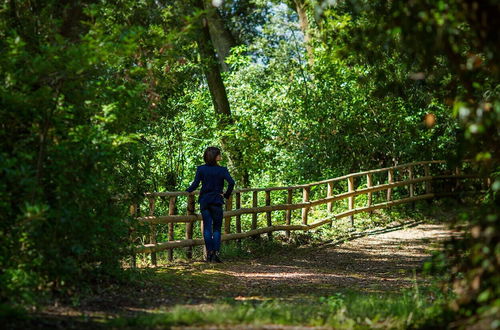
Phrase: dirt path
[383,262]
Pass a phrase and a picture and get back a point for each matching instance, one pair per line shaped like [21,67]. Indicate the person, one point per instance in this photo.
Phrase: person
[211,199]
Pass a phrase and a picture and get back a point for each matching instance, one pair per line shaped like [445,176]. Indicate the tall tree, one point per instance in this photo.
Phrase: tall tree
[301,7]
[221,36]
[219,95]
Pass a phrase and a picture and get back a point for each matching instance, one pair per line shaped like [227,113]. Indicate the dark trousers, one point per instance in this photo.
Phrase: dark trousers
[212,223]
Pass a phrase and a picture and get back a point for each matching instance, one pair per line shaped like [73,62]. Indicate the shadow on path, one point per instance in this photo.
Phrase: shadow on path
[385,262]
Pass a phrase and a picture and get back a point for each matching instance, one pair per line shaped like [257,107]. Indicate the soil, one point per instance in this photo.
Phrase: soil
[385,262]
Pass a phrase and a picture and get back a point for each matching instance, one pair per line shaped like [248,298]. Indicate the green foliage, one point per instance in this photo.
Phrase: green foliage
[70,123]
[101,102]
[450,50]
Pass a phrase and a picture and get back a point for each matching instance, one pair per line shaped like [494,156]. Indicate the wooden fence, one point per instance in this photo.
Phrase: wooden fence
[416,178]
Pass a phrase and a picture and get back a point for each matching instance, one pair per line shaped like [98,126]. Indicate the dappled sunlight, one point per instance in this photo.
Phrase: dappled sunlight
[384,263]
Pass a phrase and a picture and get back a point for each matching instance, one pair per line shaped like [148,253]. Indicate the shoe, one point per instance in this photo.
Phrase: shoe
[209,257]
[215,258]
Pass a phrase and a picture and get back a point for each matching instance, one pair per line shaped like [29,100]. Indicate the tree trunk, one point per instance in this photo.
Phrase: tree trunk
[300,8]
[221,37]
[220,101]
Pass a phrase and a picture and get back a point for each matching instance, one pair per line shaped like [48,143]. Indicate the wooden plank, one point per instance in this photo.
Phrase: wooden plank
[152,229]
[171,211]
[350,185]
[268,214]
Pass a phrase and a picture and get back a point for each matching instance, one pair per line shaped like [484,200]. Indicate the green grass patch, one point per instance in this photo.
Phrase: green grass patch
[346,310]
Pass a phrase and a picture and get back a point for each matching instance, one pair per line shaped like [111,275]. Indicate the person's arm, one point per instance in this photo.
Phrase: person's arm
[196,181]
[230,184]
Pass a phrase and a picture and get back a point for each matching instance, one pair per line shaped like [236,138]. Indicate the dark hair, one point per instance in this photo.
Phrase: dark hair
[210,154]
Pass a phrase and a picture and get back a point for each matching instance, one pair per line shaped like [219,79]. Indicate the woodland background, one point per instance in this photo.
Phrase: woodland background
[101,101]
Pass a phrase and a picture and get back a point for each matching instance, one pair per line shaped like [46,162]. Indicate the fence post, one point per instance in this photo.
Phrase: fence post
[133,212]
[238,217]
[427,173]
[171,211]
[329,193]
[254,215]
[189,225]
[369,184]
[227,220]
[350,184]
[487,183]
[288,213]
[458,171]
[268,214]
[152,226]
[411,187]
[305,198]
[390,179]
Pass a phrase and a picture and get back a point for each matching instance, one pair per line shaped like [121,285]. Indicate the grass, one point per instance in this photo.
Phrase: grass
[345,310]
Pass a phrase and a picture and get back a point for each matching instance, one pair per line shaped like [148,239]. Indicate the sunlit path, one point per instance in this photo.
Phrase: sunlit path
[386,262]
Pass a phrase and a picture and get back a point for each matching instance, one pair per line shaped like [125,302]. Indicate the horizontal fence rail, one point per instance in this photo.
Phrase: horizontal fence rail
[415,178]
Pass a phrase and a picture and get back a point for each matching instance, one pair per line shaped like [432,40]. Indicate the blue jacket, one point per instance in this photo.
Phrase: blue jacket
[212,178]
